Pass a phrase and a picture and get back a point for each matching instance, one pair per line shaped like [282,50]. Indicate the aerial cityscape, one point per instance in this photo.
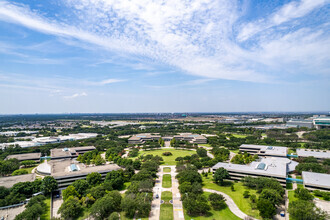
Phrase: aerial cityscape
[165,110]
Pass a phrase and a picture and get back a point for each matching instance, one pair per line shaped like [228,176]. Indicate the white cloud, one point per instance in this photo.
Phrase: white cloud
[76,95]
[193,36]
[292,10]
[109,81]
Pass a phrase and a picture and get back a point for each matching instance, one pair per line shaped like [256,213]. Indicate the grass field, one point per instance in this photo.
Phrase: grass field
[237,195]
[205,145]
[166,209]
[168,160]
[291,196]
[167,181]
[46,214]
[225,214]
[29,169]
[167,169]
[239,135]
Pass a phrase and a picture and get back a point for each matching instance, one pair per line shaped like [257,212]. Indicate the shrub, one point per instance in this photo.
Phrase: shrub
[167,154]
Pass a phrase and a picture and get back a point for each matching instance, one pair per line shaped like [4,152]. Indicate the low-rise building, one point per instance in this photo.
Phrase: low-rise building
[68,153]
[321,122]
[318,154]
[263,150]
[191,138]
[9,181]
[298,123]
[142,138]
[271,167]
[313,181]
[22,157]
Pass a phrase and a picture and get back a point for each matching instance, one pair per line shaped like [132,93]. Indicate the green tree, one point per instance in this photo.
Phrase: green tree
[129,205]
[19,172]
[220,174]
[201,152]
[81,186]
[271,195]
[70,208]
[98,160]
[305,210]
[266,208]
[94,179]
[246,194]
[49,184]
[217,201]
[114,216]
[173,142]
[303,194]
[103,207]
[70,191]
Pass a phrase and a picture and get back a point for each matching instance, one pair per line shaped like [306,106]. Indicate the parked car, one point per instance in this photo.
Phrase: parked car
[157,196]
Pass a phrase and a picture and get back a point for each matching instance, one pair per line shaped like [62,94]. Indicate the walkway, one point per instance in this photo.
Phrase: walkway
[155,204]
[230,203]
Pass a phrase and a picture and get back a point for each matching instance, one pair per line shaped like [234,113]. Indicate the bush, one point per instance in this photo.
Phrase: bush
[246,194]
[19,172]
[167,154]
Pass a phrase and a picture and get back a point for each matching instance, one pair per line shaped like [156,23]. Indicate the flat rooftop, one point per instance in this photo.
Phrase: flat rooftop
[21,157]
[68,152]
[271,166]
[317,154]
[8,182]
[316,179]
[272,150]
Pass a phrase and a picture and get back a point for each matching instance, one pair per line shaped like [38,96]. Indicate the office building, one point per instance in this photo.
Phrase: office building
[321,122]
[263,150]
[298,123]
[22,157]
[314,181]
[318,154]
[142,138]
[68,153]
[191,138]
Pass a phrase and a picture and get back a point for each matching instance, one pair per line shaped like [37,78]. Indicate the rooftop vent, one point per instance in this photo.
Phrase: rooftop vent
[270,148]
[261,166]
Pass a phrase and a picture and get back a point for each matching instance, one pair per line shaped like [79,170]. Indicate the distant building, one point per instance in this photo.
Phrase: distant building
[270,167]
[318,154]
[313,181]
[298,123]
[263,150]
[191,138]
[22,157]
[321,122]
[9,181]
[68,153]
[142,138]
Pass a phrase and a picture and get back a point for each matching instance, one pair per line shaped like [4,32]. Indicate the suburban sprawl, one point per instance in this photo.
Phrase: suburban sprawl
[169,166]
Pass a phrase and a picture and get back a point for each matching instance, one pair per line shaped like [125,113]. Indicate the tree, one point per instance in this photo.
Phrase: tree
[196,205]
[19,172]
[271,195]
[49,184]
[302,209]
[70,208]
[103,207]
[137,164]
[98,160]
[81,186]
[201,152]
[303,194]
[94,179]
[246,194]
[115,178]
[217,201]
[189,175]
[70,191]
[114,216]
[266,208]
[129,205]
[220,174]
[172,142]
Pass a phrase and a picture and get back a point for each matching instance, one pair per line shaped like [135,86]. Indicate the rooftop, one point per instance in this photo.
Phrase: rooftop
[29,156]
[8,182]
[317,154]
[316,179]
[271,150]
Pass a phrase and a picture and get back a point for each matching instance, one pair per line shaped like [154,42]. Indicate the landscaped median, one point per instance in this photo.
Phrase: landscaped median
[167,169]
[166,209]
[167,181]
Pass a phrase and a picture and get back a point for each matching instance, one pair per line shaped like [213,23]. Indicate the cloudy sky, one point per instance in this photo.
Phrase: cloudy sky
[63,56]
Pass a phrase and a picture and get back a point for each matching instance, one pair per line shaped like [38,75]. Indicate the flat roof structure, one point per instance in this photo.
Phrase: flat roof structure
[320,154]
[264,150]
[141,138]
[61,153]
[272,167]
[315,181]
[192,138]
[22,157]
[9,181]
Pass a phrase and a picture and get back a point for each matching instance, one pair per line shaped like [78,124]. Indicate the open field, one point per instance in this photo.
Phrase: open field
[167,181]
[168,160]
[166,209]
[213,214]
[167,169]
[237,195]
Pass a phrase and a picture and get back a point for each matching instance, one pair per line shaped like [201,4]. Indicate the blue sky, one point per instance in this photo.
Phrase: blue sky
[164,56]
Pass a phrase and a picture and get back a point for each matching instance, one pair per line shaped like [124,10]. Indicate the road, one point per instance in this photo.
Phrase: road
[155,204]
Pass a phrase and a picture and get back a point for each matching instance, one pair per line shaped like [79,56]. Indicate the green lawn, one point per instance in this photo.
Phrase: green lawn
[29,169]
[167,169]
[167,181]
[46,214]
[205,145]
[168,160]
[225,214]
[237,195]
[299,185]
[291,196]
[166,209]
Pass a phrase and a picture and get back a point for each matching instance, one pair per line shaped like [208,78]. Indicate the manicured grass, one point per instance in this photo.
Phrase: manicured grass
[168,160]
[29,169]
[235,151]
[166,209]
[205,145]
[244,204]
[46,214]
[213,214]
[291,196]
[299,185]
[167,181]
[239,135]
[167,169]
